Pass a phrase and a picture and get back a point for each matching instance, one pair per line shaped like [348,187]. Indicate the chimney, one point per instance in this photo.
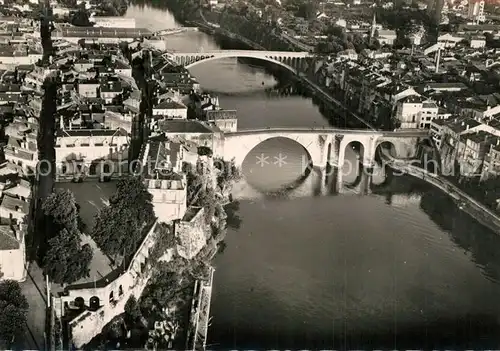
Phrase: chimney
[467,127]
[463,123]
[61,123]
[438,59]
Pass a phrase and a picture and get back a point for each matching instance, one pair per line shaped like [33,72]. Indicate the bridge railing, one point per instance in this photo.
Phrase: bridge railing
[295,54]
[402,133]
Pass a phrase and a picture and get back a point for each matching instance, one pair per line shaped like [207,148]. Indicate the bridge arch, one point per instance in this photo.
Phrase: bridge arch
[239,144]
[403,148]
[276,60]
[352,167]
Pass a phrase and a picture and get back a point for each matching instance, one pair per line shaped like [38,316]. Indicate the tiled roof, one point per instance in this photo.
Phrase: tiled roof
[170,104]
[91,132]
[8,240]
[183,126]
[14,204]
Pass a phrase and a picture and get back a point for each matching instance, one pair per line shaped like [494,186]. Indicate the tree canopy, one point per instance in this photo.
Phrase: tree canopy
[13,310]
[61,208]
[65,260]
[132,194]
[118,228]
[116,232]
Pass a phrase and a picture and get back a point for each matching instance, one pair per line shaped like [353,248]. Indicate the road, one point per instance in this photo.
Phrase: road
[468,204]
[297,43]
[331,99]
[409,133]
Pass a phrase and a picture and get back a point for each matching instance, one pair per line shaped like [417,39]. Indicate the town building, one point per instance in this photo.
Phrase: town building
[12,251]
[23,151]
[101,35]
[113,22]
[18,54]
[91,151]
[472,150]
[170,109]
[162,168]
[200,133]
[225,120]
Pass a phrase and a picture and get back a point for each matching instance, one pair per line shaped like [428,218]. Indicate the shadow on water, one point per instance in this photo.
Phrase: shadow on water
[285,190]
[357,181]
[467,233]
[464,230]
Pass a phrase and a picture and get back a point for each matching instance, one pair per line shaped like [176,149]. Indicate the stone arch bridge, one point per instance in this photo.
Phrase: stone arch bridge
[325,146]
[293,61]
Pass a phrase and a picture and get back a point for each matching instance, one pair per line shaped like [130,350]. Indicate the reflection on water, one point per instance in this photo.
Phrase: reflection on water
[401,268]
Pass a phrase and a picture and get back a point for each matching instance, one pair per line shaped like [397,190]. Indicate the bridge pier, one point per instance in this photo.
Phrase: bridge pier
[326,149]
[366,180]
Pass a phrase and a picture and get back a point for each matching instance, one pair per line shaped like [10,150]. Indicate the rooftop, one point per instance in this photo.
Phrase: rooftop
[160,157]
[104,32]
[221,114]
[183,126]
[170,104]
[62,133]
[14,204]
[8,238]
[191,212]
[480,137]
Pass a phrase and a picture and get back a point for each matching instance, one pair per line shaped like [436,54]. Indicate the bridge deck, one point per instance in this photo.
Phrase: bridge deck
[295,54]
[398,133]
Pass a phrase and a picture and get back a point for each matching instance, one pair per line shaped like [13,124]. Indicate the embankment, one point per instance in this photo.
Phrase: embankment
[465,202]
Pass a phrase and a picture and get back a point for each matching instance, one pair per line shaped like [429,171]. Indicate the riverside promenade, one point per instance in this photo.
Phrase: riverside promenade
[466,203]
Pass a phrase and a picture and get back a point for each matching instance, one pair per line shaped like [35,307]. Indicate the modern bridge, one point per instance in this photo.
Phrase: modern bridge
[291,60]
[326,146]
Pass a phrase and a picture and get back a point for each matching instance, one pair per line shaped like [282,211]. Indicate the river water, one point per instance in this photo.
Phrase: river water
[399,268]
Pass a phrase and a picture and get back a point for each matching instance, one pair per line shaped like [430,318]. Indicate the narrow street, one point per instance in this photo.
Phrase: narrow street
[34,290]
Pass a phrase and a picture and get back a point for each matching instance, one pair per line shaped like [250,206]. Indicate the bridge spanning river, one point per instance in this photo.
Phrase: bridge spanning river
[292,61]
[326,146]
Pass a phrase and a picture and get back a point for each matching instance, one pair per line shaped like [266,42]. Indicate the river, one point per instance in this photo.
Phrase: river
[399,268]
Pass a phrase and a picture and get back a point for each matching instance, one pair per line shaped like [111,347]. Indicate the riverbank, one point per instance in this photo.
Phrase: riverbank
[464,201]
[404,262]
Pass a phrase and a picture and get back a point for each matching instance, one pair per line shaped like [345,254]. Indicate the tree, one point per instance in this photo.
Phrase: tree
[116,232]
[132,308]
[132,194]
[61,208]
[119,227]
[13,310]
[307,10]
[81,18]
[67,260]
